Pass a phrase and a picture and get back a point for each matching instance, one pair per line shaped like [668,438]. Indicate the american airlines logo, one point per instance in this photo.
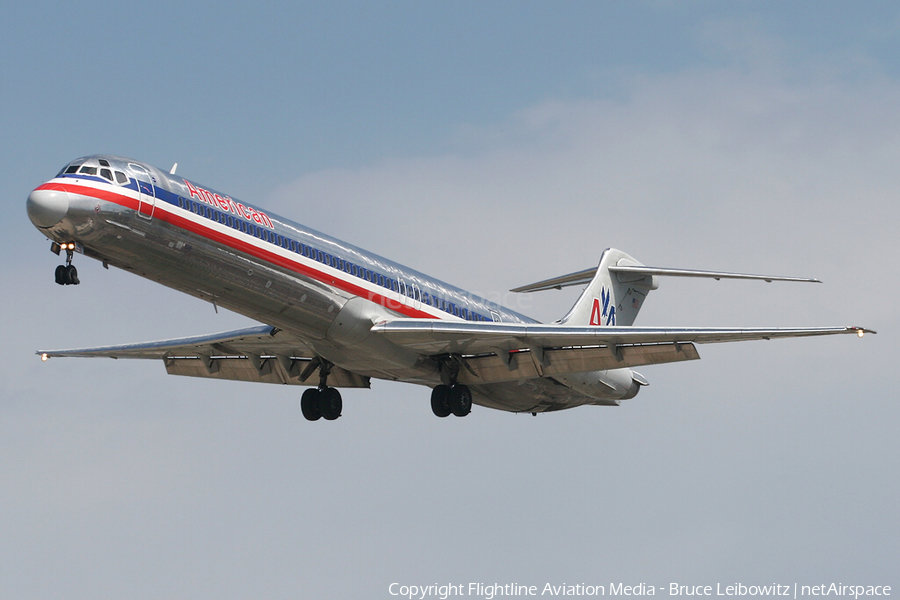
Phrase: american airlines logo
[227,204]
[602,310]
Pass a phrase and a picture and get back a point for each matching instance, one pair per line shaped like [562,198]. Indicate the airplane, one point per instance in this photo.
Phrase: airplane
[336,316]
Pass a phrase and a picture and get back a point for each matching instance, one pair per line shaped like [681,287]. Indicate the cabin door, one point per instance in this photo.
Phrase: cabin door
[146,183]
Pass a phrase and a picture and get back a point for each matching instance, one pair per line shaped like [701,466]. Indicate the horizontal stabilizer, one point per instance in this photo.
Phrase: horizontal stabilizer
[642,270]
[585,277]
[579,278]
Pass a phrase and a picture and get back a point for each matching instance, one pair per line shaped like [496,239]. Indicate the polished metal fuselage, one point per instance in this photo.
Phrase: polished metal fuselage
[206,244]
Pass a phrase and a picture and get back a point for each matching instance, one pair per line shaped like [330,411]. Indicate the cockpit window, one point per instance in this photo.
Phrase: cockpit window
[106,173]
[72,169]
[121,177]
[88,170]
[104,162]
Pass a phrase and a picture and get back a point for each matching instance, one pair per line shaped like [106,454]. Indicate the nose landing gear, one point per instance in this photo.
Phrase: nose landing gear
[66,274]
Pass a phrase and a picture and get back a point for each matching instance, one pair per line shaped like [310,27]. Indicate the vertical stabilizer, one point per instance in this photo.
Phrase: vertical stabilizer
[612,298]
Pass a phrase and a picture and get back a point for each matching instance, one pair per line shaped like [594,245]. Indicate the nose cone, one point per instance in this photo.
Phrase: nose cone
[46,208]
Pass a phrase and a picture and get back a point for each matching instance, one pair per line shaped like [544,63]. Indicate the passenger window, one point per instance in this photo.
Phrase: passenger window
[106,174]
[88,170]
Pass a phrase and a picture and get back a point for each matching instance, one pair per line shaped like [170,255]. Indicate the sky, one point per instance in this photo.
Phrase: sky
[491,144]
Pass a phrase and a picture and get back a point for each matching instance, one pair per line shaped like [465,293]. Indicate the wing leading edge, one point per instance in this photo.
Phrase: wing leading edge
[435,336]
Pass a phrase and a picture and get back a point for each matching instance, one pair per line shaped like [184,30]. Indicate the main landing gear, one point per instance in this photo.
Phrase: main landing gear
[321,402]
[446,399]
[66,274]
[318,403]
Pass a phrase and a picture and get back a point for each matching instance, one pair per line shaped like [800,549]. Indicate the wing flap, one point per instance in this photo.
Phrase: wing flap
[268,370]
[525,364]
[262,354]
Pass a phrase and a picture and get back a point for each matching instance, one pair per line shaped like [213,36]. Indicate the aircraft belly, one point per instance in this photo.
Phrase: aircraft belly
[532,395]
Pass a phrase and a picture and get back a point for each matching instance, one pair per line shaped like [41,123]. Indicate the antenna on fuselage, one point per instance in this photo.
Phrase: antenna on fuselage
[172,171]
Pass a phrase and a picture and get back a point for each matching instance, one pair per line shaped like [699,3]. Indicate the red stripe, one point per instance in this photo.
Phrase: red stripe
[241,246]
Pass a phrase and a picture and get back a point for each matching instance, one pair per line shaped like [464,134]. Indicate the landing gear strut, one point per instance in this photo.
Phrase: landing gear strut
[321,402]
[66,274]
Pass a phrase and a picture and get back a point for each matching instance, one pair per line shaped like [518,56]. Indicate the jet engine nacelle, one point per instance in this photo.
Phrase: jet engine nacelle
[615,384]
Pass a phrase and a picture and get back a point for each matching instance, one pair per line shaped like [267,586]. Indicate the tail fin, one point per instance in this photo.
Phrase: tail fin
[612,298]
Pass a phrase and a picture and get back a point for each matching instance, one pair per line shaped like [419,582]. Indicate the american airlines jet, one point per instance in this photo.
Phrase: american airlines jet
[336,316]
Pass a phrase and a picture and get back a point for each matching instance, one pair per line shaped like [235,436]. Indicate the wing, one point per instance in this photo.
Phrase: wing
[261,354]
[509,351]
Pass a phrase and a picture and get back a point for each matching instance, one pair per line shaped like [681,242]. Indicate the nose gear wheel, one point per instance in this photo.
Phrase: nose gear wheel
[67,274]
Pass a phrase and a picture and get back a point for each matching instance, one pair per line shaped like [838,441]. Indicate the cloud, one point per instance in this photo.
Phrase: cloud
[716,169]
